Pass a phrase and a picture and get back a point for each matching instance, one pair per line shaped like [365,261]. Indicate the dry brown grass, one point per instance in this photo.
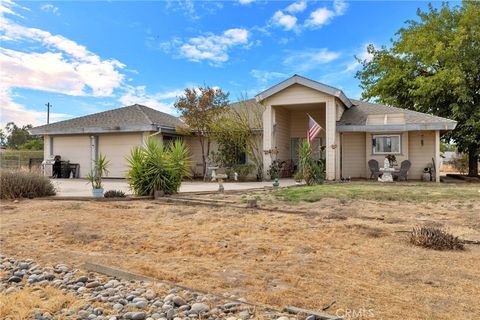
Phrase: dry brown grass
[21,304]
[347,251]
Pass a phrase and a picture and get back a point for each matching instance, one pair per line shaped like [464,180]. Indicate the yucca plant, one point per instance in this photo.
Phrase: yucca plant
[155,167]
[100,170]
[313,170]
[434,238]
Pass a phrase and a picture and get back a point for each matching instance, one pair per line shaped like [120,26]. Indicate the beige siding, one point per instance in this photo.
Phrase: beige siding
[296,94]
[282,133]
[195,148]
[116,148]
[404,152]
[76,149]
[353,155]
[299,122]
[420,156]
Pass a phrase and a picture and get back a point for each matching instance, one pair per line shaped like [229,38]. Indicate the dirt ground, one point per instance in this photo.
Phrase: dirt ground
[354,253]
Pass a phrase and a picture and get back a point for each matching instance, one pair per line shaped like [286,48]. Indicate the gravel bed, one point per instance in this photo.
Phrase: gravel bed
[108,298]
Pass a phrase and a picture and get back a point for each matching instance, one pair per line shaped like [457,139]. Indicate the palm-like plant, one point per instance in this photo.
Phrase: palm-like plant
[100,170]
[156,167]
[313,170]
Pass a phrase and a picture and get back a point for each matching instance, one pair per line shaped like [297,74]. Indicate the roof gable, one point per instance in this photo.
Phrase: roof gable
[296,79]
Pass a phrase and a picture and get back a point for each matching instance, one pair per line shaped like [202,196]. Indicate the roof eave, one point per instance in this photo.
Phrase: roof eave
[89,130]
[443,126]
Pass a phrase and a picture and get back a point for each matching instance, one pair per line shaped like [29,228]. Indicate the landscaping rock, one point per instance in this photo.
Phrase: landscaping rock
[178,301]
[107,298]
[199,308]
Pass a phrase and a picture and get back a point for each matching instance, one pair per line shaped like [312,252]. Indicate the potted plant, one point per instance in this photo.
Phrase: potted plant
[427,174]
[298,177]
[274,172]
[95,177]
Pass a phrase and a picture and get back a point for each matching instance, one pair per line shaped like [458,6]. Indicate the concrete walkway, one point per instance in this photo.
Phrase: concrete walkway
[82,188]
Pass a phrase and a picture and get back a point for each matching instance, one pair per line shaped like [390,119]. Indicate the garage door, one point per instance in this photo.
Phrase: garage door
[116,148]
[75,149]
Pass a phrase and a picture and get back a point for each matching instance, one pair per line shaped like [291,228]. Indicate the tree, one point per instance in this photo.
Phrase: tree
[248,118]
[434,67]
[19,138]
[199,109]
[237,135]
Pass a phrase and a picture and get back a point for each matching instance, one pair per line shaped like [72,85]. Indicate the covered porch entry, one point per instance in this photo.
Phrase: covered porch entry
[290,130]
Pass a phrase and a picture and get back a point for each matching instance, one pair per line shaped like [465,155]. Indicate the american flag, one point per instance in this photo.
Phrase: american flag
[313,129]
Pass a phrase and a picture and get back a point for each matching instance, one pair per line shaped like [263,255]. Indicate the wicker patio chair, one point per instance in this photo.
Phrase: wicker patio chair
[374,169]
[402,173]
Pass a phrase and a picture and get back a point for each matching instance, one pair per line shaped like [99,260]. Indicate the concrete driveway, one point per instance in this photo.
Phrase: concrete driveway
[82,188]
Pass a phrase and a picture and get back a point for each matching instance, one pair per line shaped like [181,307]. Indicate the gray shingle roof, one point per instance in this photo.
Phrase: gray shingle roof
[127,119]
[355,118]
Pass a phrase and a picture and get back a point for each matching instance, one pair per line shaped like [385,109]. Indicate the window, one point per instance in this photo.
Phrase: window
[383,144]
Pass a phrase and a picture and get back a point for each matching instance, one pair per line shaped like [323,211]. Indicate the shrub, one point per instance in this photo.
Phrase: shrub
[434,238]
[24,185]
[313,170]
[155,167]
[243,170]
[274,170]
[298,176]
[114,194]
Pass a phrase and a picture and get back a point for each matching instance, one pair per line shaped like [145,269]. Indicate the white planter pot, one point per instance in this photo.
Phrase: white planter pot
[97,193]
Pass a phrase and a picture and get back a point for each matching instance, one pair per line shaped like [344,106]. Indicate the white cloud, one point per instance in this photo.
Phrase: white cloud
[244,2]
[60,65]
[297,7]
[66,67]
[185,6]
[50,8]
[323,16]
[287,21]
[340,7]
[6,7]
[265,77]
[320,17]
[361,54]
[305,60]
[211,47]
[11,111]
[162,101]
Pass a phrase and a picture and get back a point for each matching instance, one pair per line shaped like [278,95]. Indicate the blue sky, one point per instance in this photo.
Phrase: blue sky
[86,57]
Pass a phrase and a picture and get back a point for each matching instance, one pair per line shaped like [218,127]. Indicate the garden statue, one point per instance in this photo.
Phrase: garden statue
[387,171]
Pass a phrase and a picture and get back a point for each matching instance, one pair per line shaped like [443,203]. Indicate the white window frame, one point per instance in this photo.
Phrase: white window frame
[387,135]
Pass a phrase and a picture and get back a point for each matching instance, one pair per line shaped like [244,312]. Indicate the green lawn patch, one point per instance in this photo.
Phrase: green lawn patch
[380,192]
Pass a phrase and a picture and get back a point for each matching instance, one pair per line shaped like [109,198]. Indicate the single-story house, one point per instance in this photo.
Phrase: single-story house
[353,131]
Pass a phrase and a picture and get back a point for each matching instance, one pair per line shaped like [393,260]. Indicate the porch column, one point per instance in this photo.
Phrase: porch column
[338,141]
[437,156]
[93,152]
[330,133]
[48,147]
[267,137]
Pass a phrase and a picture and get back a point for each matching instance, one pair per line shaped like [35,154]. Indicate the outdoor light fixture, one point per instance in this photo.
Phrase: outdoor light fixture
[421,141]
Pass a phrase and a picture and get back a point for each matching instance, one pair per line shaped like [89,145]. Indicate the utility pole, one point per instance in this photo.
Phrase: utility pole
[48,112]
